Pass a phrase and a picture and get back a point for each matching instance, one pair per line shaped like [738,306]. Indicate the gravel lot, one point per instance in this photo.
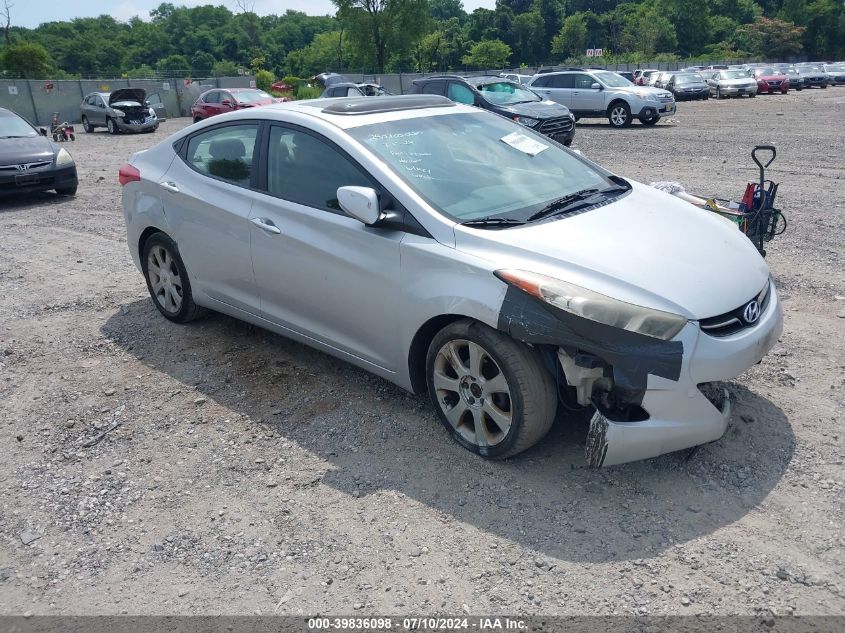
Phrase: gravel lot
[151,468]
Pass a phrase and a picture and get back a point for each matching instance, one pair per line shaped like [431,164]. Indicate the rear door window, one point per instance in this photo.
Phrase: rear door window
[561,81]
[226,153]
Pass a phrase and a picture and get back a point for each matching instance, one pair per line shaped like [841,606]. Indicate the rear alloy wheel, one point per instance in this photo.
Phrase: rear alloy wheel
[167,279]
[111,126]
[492,393]
[619,115]
[86,125]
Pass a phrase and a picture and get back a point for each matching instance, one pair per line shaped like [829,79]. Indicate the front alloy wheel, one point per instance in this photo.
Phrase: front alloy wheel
[619,115]
[111,126]
[492,393]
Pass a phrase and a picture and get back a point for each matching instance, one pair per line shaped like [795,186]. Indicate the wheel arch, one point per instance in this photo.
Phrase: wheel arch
[145,235]
[419,348]
[616,101]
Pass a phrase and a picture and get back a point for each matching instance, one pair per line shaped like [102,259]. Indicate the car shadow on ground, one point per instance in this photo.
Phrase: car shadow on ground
[18,202]
[376,437]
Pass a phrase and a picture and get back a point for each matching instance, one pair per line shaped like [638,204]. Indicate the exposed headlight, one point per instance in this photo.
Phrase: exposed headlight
[119,112]
[63,158]
[152,113]
[527,121]
[594,306]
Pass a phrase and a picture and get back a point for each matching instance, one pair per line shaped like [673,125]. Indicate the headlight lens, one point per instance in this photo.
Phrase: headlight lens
[527,121]
[152,113]
[119,112]
[595,306]
[63,158]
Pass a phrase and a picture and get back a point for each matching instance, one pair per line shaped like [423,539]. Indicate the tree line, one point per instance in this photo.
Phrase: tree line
[419,35]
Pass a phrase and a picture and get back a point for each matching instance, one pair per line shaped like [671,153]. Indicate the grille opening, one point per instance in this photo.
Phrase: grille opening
[733,321]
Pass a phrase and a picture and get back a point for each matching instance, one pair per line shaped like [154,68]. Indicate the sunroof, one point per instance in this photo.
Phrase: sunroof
[371,105]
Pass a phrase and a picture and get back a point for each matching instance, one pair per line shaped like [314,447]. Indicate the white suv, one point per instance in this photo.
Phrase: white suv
[596,94]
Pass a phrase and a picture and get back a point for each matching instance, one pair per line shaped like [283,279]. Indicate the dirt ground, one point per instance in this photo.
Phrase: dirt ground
[151,468]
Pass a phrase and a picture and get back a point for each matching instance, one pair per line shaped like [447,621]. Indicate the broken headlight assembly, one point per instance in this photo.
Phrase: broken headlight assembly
[594,306]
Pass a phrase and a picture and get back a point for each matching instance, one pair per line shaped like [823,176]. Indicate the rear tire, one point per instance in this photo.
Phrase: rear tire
[111,126]
[167,280]
[491,392]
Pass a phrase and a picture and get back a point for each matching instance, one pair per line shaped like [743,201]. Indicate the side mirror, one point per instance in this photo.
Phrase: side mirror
[42,131]
[361,203]
[596,86]
[226,103]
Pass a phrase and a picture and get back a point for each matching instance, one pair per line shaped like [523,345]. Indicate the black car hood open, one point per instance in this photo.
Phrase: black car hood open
[32,149]
[535,109]
[128,94]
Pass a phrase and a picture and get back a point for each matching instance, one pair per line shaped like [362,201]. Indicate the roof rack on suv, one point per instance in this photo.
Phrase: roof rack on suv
[371,105]
[543,71]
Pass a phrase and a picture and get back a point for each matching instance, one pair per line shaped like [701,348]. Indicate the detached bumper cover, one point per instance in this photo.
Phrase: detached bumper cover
[689,411]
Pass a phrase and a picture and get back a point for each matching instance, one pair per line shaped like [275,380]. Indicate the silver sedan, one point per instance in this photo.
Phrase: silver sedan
[455,252]
[731,83]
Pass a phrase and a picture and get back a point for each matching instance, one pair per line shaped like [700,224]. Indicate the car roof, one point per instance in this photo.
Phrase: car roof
[352,112]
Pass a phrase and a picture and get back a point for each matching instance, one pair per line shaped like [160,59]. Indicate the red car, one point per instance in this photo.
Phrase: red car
[771,80]
[222,100]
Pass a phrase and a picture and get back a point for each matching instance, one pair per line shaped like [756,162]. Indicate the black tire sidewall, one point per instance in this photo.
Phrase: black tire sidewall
[476,335]
[185,310]
[627,108]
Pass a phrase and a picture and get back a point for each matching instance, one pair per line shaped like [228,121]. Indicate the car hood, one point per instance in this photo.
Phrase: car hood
[536,109]
[647,248]
[660,92]
[124,95]
[32,149]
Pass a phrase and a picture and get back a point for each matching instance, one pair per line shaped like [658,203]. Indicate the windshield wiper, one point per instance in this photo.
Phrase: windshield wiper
[493,222]
[573,201]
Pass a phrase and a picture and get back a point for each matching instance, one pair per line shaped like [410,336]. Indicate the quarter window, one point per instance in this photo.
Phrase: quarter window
[461,94]
[306,170]
[225,153]
[212,97]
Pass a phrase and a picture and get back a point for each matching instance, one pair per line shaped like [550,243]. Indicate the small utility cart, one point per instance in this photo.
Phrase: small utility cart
[755,215]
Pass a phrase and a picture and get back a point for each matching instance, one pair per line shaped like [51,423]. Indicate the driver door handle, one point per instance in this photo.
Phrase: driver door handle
[266,225]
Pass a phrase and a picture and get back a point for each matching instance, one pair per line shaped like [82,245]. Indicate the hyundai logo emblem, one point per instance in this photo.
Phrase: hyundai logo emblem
[751,312]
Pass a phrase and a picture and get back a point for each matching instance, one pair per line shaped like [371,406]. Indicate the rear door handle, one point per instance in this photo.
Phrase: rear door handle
[266,225]
[170,186]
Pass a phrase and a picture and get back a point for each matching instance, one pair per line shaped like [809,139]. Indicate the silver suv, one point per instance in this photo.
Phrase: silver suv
[596,94]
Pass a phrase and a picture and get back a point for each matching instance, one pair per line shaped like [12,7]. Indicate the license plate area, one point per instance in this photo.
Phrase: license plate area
[24,180]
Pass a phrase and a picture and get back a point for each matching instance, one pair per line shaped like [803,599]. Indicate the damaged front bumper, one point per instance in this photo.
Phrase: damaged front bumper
[693,410]
[147,125]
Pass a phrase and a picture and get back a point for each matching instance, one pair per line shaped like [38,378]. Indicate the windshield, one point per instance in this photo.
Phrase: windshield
[250,96]
[612,80]
[733,74]
[505,92]
[760,72]
[15,127]
[478,165]
[835,68]
[688,79]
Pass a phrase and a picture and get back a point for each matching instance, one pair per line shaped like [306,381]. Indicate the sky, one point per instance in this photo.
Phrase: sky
[31,13]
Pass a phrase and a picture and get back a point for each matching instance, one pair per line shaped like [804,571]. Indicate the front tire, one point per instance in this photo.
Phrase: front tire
[619,115]
[67,191]
[111,126]
[167,279]
[491,392]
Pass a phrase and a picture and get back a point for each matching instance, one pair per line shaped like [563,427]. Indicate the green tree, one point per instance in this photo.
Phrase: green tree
[29,60]
[174,66]
[384,25]
[445,9]
[264,79]
[488,54]
[529,34]
[224,68]
[691,21]
[572,39]
[201,64]
[773,37]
